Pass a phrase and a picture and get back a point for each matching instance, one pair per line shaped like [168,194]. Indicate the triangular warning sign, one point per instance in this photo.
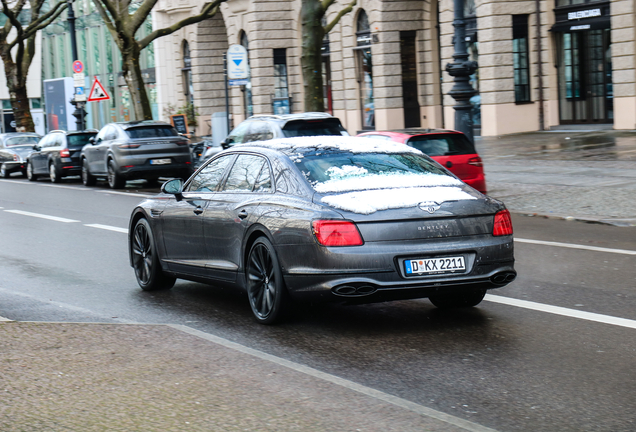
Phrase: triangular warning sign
[97,93]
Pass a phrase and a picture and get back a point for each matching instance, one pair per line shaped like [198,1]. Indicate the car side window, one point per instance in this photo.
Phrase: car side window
[238,135]
[207,180]
[102,133]
[58,141]
[244,173]
[111,133]
[264,180]
[259,131]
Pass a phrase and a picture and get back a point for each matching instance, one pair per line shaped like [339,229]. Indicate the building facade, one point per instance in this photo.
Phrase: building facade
[383,64]
[102,60]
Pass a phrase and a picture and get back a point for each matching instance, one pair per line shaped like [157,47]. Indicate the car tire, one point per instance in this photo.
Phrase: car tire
[115,181]
[3,171]
[148,272]
[29,172]
[266,289]
[458,300]
[87,178]
[54,174]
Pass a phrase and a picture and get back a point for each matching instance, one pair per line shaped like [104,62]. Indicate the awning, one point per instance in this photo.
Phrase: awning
[597,23]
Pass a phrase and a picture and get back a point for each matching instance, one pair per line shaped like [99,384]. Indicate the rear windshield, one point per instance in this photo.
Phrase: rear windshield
[442,144]
[313,128]
[77,141]
[22,140]
[152,132]
[344,171]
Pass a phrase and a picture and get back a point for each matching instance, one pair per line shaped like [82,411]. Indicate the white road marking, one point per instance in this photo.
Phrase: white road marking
[62,187]
[42,216]
[367,391]
[557,310]
[108,227]
[3,319]
[132,194]
[576,246]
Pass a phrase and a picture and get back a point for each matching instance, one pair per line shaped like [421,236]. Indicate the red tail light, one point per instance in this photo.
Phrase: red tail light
[65,153]
[475,161]
[16,158]
[503,224]
[337,233]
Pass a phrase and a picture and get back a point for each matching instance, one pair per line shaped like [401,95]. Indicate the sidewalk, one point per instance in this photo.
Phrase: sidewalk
[147,378]
[587,176]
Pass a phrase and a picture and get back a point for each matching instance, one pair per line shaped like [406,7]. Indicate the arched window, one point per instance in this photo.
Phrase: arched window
[365,70]
[188,89]
[247,89]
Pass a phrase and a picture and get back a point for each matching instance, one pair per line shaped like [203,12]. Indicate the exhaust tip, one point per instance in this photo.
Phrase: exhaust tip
[354,291]
[503,277]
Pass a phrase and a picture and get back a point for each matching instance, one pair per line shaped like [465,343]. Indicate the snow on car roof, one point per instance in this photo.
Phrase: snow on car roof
[343,143]
[371,201]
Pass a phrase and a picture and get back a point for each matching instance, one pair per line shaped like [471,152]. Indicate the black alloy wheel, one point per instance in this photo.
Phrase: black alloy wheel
[148,271]
[458,300]
[54,174]
[87,178]
[115,181]
[3,171]
[265,286]
[29,172]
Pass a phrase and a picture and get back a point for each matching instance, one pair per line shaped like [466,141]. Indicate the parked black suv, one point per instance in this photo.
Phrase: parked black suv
[136,150]
[15,147]
[266,127]
[58,155]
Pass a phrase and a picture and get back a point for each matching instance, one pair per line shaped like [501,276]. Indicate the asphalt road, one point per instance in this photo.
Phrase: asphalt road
[553,351]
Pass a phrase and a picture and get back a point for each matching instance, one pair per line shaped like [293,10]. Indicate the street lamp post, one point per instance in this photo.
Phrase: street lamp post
[461,69]
[79,112]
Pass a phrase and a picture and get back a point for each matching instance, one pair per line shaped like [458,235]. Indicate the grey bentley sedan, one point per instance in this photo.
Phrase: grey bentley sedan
[331,218]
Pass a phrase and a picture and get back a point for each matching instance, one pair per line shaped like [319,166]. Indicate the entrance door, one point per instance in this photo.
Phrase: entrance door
[585,77]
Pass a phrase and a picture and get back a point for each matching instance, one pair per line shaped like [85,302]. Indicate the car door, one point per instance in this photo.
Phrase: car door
[98,151]
[39,157]
[232,210]
[182,224]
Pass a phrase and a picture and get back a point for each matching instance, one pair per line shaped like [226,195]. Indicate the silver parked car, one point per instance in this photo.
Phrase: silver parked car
[333,218]
[15,147]
[136,150]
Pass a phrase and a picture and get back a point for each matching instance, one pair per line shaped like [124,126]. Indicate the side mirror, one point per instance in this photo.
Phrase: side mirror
[91,140]
[173,187]
[36,147]
[226,143]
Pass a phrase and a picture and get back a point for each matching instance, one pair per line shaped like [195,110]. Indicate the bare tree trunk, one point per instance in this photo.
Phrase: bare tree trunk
[311,59]
[135,83]
[18,96]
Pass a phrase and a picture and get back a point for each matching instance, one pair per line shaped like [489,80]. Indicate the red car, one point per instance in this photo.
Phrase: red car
[450,148]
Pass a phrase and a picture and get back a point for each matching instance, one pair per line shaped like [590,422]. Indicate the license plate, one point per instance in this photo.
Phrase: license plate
[434,265]
[160,161]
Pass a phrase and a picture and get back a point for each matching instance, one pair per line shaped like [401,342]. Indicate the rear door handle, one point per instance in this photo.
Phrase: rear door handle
[198,210]
[242,214]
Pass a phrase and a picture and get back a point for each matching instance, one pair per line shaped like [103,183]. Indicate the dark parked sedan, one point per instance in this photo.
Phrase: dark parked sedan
[136,150]
[57,155]
[332,218]
[14,150]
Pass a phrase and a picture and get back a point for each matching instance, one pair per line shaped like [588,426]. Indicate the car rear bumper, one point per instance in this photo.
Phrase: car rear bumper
[374,271]
[12,166]
[147,170]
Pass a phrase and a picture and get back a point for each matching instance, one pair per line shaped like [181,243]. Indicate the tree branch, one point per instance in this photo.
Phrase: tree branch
[343,12]
[107,19]
[45,19]
[208,11]
[141,14]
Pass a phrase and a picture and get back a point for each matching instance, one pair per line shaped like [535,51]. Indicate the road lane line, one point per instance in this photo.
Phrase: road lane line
[367,391]
[77,188]
[42,216]
[131,194]
[3,319]
[557,310]
[576,246]
[108,227]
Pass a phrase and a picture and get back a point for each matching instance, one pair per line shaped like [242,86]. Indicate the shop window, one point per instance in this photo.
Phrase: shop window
[281,104]
[520,60]
[408,58]
[364,65]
